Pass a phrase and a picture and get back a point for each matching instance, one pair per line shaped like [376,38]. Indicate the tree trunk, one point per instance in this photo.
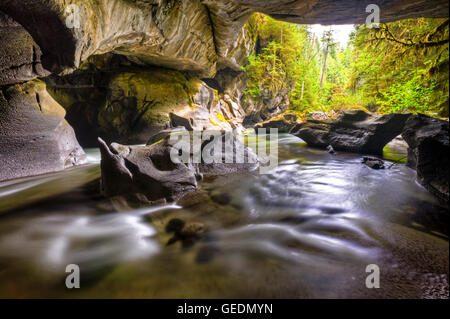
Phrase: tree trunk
[324,67]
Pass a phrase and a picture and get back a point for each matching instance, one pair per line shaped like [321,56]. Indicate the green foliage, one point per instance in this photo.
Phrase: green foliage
[407,96]
[403,65]
[400,67]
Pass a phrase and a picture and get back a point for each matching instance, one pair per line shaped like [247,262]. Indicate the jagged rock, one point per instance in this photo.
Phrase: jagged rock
[34,137]
[373,162]
[150,171]
[428,152]
[353,131]
[20,57]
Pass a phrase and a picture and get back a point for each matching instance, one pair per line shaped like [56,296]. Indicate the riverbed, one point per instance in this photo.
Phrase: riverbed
[308,229]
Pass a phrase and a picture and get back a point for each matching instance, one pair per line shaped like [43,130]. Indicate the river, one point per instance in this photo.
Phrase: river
[308,229]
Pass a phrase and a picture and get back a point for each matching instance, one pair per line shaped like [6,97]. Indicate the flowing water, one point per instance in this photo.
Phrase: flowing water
[306,230]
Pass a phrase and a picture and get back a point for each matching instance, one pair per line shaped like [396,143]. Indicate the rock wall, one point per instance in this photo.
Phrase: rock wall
[20,56]
[126,103]
[34,136]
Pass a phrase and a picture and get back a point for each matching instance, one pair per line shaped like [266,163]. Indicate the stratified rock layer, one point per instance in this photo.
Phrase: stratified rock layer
[354,131]
[34,137]
[428,152]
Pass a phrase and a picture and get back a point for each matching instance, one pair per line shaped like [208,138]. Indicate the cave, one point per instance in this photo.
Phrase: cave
[92,91]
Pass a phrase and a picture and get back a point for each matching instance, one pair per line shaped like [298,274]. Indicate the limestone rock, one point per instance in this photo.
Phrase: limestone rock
[147,170]
[34,137]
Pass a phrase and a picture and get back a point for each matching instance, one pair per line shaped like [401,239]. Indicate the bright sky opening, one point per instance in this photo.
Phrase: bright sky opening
[341,33]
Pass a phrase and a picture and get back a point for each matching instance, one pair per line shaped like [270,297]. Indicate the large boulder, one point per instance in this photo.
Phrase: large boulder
[428,152]
[353,131]
[152,174]
[34,137]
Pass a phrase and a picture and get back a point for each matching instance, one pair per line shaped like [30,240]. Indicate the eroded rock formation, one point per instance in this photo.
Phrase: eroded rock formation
[20,57]
[150,174]
[353,131]
[127,104]
[428,152]
[284,123]
[34,136]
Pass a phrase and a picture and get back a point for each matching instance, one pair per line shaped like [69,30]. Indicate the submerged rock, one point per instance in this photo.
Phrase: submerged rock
[373,162]
[353,131]
[428,152]
[330,149]
[152,171]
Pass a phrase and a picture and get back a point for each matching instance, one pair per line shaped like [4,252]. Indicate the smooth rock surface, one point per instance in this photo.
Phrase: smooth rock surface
[353,131]
[34,137]
[151,172]
[373,162]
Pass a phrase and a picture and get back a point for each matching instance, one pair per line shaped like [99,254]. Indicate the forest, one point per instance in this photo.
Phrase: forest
[392,67]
